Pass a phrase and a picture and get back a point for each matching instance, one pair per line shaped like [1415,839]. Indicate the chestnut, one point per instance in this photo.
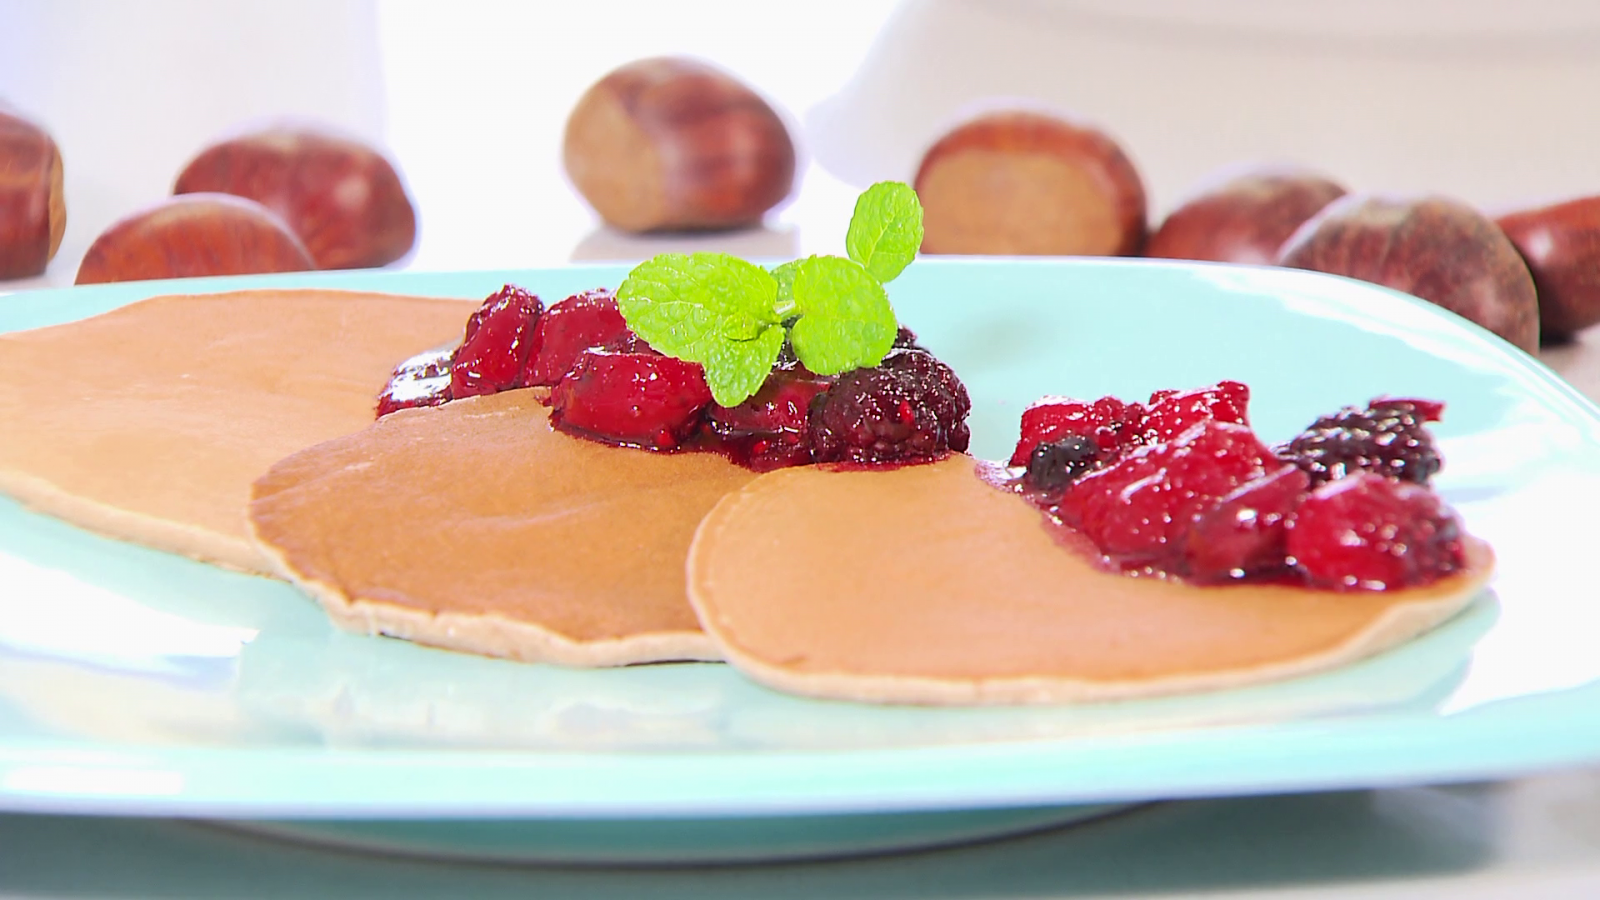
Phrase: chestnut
[33,209]
[1439,249]
[1243,218]
[672,144]
[1561,245]
[193,235]
[343,198]
[1024,182]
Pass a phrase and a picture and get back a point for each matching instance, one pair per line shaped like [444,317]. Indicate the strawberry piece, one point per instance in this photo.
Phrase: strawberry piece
[1171,413]
[495,348]
[1246,532]
[422,380]
[1138,510]
[768,431]
[632,399]
[1110,423]
[584,320]
[1368,532]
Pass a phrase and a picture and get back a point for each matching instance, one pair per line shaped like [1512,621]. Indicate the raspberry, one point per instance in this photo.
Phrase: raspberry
[1110,423]
[910,406]
[768,431]
[422,380]
[567,328]
[1174,412]
[1055,464]
[1367,532]
[1388,438]
[1138,510]
[495,348]
[1246,531]
[633,399]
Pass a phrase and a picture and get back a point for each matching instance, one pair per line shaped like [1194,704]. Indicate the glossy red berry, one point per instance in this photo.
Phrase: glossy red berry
[1171,413]
[768,431]
[1368,532]
[633,399]
[584,320]
[1246,532]
[1138,510]
[495,349]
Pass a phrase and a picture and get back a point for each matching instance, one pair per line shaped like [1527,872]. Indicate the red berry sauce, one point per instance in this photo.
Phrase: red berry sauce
[1180,487]
[422,380]
[606,384]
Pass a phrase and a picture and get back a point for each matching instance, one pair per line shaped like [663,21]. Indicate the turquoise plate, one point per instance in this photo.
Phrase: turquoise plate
[137,683]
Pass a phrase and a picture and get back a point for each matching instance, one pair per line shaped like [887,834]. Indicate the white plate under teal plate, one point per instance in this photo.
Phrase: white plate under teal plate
[137,683]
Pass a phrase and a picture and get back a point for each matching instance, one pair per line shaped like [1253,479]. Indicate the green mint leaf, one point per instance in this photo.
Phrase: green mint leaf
[845,318]
[784,275]
[739,368]
[709,308]
[886,229]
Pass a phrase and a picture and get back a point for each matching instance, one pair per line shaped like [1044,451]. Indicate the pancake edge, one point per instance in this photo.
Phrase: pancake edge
[165,535]
[1399,623]
[238,553]
[488,634]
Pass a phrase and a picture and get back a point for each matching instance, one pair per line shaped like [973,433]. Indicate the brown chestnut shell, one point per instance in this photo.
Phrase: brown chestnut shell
[1435,248]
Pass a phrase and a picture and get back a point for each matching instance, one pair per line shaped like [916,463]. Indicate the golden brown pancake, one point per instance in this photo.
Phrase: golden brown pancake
[476,526]
[924,584]
[149,422]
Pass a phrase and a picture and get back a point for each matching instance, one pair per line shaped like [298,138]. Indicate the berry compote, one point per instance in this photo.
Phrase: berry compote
[1180,487]
[604,383]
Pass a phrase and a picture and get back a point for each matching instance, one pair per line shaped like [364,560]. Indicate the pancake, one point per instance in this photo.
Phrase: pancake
[148,423]
[924,584]
[476,526]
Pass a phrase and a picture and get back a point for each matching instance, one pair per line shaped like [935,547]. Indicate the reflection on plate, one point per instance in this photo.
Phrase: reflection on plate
[678,841]
[136,682]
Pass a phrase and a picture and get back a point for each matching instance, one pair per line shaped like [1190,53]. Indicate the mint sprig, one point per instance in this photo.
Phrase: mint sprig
[710,308]
[731,316]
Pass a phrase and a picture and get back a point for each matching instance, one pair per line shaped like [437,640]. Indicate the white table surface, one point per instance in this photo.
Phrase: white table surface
[1470,98]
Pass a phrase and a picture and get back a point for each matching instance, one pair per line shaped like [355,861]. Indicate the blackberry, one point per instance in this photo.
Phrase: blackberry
[1387,438]
[1055,464]
[906,339]
[787,359]
[908,407]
